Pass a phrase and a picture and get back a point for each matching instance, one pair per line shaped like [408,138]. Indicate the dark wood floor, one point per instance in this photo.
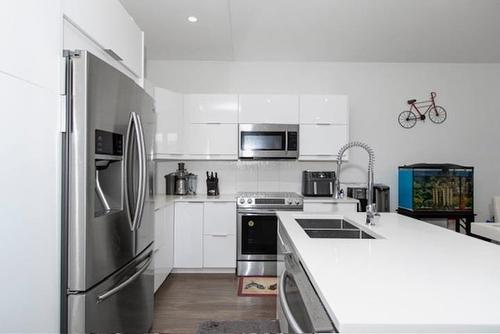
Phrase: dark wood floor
[184,300]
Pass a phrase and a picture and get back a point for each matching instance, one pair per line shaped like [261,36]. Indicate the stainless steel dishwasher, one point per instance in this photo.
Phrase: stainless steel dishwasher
[299,307]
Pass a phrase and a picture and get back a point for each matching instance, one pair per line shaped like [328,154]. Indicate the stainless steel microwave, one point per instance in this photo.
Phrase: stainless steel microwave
[268,141]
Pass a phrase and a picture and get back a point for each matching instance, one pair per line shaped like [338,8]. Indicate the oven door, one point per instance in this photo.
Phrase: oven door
[271,141]
[257,236]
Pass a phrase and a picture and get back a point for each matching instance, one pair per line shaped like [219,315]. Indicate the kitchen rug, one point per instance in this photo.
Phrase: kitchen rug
[239,327]
[252,286]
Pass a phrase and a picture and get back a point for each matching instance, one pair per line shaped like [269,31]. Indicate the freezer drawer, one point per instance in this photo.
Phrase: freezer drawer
[123,303]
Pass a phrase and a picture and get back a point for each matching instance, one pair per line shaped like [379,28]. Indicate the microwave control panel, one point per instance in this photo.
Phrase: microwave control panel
[292,141]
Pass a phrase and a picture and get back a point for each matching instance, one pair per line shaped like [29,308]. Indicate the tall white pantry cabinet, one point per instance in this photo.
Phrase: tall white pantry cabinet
[31,104]
[30,31]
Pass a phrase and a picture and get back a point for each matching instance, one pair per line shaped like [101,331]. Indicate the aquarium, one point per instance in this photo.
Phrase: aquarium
[436,187]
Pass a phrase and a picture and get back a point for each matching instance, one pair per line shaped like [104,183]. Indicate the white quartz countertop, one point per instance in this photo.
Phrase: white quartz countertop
[416,278]
[162,200]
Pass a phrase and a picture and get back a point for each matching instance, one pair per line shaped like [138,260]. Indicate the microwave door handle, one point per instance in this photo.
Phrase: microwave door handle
[284,304]
[286,141]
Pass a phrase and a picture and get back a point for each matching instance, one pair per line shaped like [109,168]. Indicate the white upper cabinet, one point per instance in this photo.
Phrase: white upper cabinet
[205,141]
[30,31]
[324,109]
[268,109]
[324,126]
[211,108]
[110,26]
[322,142]
[169,124]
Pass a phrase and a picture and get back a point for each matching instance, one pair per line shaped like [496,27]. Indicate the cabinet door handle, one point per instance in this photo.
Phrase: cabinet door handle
[324,123]
[219,235]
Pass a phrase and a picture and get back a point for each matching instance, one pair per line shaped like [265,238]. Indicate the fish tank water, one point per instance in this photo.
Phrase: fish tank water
[436,187]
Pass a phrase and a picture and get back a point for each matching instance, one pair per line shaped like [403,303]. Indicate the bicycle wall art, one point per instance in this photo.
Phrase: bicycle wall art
[419,112]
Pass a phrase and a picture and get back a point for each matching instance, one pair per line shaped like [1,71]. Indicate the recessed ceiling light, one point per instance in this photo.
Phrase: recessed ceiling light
[192,19]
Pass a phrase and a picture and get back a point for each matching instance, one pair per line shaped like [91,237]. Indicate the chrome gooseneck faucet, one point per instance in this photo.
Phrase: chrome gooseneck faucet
[370,208]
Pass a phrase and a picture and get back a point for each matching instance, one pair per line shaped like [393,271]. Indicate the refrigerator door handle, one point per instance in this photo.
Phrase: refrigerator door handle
[143,164]
[126,283]
[134,129]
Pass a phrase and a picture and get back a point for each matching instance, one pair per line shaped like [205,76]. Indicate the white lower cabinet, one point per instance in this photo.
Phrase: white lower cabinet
[188,242]
[219,238]
[219,251]
[329,207]
[164,244]
[205,235]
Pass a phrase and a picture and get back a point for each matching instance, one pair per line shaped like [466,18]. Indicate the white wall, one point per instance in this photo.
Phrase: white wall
[377,92]
[30,31]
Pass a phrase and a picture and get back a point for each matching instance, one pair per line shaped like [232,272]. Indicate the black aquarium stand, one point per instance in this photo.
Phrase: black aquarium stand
[462,218]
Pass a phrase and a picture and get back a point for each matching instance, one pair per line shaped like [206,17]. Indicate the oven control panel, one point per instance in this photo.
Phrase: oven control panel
[270,201]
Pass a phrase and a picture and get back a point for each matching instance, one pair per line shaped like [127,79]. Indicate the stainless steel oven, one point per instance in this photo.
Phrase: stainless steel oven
[299,307]
[257,230]
[268,141]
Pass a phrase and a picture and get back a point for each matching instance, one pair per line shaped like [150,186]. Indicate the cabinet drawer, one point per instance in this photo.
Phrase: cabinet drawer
[220,218]
[323,109]
[219,251]
[211,108]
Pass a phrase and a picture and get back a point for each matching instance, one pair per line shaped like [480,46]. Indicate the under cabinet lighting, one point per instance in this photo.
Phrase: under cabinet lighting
[192,19]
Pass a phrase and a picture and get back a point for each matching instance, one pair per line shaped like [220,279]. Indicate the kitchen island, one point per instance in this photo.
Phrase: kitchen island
[413,277]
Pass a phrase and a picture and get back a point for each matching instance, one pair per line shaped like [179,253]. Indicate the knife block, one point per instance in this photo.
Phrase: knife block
[213,187]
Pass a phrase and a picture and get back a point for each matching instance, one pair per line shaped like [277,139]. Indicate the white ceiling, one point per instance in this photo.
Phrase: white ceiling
[321,30]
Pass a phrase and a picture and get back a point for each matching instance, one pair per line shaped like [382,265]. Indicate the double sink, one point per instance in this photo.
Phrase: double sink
[332,229]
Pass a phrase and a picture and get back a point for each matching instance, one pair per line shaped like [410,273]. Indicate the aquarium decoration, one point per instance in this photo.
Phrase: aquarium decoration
[436,188]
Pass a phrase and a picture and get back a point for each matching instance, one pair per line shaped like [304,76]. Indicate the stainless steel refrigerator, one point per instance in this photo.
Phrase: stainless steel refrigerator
[108,177]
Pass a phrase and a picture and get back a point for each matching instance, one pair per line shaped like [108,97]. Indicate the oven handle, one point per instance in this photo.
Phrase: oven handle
[259,212]
[284,304]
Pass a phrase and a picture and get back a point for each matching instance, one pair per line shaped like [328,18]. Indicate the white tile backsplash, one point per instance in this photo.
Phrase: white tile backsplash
[235,176]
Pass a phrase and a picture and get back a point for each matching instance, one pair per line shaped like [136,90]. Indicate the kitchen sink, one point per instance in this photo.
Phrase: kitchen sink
[332,229]
[325,224]
[338,234]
